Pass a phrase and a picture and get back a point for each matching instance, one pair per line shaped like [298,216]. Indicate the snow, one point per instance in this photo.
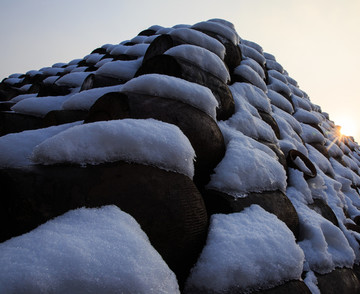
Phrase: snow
[93,58]
[40,106]
[249,250]
[164,31]
[121,69]
[295,125]
[252,53]
[251,126]
[33,73]
[13,81]
[17,147]
[150,39]
[280,101]
[269,56]
[218,28]
[253,45]
[275,74]
[252,94]
[279,86]
[246,118]
[289,139]
[85,99]
[323,243]
[245,251]
[320,160]
[99,250]
[200,39]
[250,75]
[102,62]
[138,39]
[80,69]
[51,71]
[22,97]
[59,64]
[174,88]
[300,102]
[75,61]
[144,141]
[345,172]
[223,22]
[50,80]
[311,282]
[239,171]
[230,133]
[291,81]
[296,90]
[15,75]
[272,64]
[74,79]
[134,50]
[311,135]
[333,149]
[203,58]
[255,66]
[308,117]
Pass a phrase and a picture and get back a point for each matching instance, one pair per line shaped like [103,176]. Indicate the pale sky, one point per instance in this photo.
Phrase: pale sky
[317,42]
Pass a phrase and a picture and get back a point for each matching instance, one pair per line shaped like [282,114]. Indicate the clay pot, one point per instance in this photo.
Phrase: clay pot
[310,172]
[274,202]
[167,205]
[201,130]
[172,66]
[342,280]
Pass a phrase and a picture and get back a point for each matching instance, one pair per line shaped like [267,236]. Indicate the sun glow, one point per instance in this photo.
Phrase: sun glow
[348,126]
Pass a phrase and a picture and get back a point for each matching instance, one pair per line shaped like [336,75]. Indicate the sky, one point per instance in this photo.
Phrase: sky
[317,42]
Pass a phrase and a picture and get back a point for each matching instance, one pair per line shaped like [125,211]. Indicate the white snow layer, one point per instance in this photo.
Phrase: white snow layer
[145,141]
[239,171]
[199,39]
[323,243]
[203,58]
[16,148]
[100,250]
[85,99]
[255,66]
[252,53]
[251,76]
[174,88]
[134,50]
[121,69]
[252,249]
[74,79]
[40,106]
[218,28]
[252,94]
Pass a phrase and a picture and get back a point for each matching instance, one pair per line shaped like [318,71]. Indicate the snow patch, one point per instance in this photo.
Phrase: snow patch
[174,88]
[203,58]
[99,250]
[252,249]
[144,141]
